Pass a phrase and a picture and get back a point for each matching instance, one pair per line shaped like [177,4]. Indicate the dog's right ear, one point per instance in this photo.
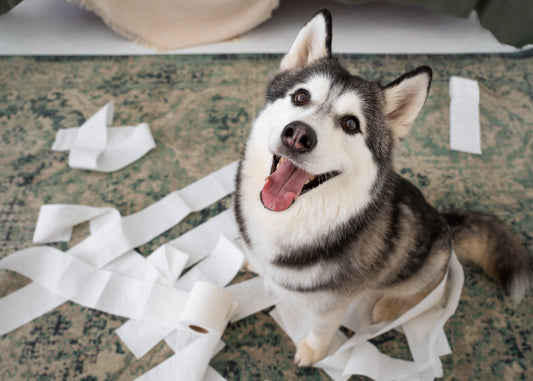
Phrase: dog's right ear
[312,42]
[404,99]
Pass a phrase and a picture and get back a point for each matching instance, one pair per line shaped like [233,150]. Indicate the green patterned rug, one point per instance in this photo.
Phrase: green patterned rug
[200,109]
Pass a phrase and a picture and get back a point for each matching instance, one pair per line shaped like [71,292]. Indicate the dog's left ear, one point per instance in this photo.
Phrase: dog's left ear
[404,99]
[312,42]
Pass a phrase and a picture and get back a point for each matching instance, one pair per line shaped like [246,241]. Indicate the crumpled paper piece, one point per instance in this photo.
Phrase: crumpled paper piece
[104,272]
[97,147]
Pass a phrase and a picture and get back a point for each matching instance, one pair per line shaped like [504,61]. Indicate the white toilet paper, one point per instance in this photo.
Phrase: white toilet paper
[208,308]
[191,363]
[97,147]
[220,266]
[119,236]
[465,133]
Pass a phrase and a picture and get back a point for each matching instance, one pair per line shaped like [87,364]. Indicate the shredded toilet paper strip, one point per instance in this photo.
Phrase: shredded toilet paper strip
[95,146]
[465,134]
[65,217]
[107,291]
[191,363]
[117,238]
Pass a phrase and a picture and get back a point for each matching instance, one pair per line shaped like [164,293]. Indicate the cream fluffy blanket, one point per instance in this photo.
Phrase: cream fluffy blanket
[174,24]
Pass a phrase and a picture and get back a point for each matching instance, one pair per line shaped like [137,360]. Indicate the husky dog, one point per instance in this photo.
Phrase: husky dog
[322,211]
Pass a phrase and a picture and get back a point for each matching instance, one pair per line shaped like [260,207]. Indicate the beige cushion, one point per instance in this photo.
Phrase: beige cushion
[174,24]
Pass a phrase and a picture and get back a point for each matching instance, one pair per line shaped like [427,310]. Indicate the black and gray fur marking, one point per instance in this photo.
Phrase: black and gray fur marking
[374,247]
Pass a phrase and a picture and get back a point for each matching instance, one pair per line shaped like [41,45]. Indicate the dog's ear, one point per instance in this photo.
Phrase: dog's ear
[404,99]
[312,42]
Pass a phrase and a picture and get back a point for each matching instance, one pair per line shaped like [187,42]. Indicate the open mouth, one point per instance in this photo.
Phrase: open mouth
[286,182]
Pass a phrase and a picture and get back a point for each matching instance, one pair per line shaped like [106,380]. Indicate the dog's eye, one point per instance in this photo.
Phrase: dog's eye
[301,97]
[350,124]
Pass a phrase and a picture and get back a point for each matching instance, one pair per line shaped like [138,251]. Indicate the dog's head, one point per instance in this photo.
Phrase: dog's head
[324,128]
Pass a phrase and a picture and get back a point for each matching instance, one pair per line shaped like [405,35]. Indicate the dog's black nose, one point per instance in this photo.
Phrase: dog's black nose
[299,137]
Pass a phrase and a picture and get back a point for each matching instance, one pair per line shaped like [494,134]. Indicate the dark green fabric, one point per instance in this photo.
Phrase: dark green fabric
[510,21]
[460,8]
[6,5]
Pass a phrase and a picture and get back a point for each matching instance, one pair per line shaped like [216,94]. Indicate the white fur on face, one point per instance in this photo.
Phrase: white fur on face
[350,104]
[322,209]
[284,112]
[327,106]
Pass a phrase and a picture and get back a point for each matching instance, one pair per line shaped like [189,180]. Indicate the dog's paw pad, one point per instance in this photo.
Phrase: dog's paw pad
[306,355]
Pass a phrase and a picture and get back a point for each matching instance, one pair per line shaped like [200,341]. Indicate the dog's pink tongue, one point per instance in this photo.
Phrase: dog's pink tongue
[283,186]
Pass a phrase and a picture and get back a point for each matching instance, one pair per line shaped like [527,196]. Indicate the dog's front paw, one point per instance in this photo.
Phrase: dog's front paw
[308,354]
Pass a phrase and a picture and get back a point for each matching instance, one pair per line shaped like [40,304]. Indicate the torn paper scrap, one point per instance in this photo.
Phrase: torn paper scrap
[201,240]
[191,363]
[95,146]
[24,305]
[56,221]
[219,268]
[252,295]
[169,261]
[465,134]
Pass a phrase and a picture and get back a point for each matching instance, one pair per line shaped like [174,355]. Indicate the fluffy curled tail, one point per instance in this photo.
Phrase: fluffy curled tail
[487,242]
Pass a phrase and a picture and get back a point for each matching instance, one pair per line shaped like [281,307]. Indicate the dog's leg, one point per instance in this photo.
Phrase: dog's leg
[315,345]
[389,308]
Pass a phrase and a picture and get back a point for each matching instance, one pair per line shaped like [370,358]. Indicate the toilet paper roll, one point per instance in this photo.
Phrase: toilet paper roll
[208,308]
